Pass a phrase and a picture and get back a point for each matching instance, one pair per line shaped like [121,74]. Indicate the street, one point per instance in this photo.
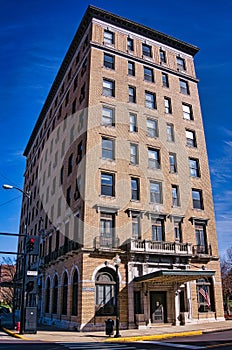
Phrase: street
[217,340]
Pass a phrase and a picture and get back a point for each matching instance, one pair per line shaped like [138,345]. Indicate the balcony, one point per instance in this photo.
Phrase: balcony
[202,250]
[103,242]
[159,247]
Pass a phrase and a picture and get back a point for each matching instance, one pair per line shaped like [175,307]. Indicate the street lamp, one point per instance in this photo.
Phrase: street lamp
[24,260]
[117,262]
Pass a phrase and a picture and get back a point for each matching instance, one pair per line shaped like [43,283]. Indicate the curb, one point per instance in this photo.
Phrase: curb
[154,337]
[15,335]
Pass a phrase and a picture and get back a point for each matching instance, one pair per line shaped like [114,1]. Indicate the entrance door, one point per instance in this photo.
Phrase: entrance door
[158,307]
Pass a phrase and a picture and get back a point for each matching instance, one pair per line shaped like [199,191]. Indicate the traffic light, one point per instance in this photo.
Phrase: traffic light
[31,284]
[32,245]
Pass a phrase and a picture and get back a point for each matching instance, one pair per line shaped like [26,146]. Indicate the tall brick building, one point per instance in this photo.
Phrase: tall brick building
[117,166]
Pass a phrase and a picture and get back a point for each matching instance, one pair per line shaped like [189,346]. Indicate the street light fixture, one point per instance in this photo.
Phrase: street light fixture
[24,260]
[117,262]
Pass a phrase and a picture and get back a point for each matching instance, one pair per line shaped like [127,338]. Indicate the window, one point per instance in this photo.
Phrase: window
[131,68]
[172,163]
[135,226]
[74,293]
[146,49]
[64,295]
[205,295]
[197,199]
[165,81]
[134,159]
[107,116]
[163,58]
[158,230]
[84,67]
[82,93]
[107,228]
[105,292]
[108,61]
[77,193]
[68,195]
[75,83]
[55,295]
[108,87]
[177,231]
[148,74]
[155,192]
[153,158]
[175,196]
[108,37]
[70,164]
[47,295]
[200,232]
[79,152]
[152,128]
[130,44]
[184,88]
[107,184]
[135,189]
[150,100]
[194,167]
[62,175]
[167,105]
[67,98]
[107,148]
[132,94]
[133,122]
[180,63]
[191,138]
[187,111]
[170,133]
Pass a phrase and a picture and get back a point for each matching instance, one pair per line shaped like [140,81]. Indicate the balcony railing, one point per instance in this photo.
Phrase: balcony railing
[202,249]
[159,247]
[106,242]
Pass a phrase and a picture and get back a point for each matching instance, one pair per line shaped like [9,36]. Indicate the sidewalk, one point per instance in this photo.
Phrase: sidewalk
[46,333]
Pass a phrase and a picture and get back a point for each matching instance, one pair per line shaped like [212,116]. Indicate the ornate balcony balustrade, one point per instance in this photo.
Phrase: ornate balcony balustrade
[106,242]
[159,247]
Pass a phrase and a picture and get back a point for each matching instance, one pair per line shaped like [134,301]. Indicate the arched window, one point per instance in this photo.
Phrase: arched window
[55,295]
[205,295]
[105,292]
[65,294]
[47,295]
[75,293]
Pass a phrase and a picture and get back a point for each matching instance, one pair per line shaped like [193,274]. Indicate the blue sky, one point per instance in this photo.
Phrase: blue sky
[35,36]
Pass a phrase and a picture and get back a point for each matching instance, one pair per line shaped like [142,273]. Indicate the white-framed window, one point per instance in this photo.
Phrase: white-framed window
[184,87]
[187,111]
[180,63]
[165,81]
[153,158]
[175,196]
[134,157]
[107,116]
[194,167]
[197,199]
[150,100]
[191,138]
[172,163]
[133,122]
[136,226]
[163,58]
[157,230]
[132,94]
[107,184]
[108,87]
[155,192]
[152,127]
[135,195]
[147,50]
[109,61]
[130,44]
[170,132]
[108,37]
[178,230]
[167,105]
[107,148]
[131,68]
[148,74]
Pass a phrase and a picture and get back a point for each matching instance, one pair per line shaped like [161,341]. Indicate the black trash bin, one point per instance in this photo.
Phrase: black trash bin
[109,326]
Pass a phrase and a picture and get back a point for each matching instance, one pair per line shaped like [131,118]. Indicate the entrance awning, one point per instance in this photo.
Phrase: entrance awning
[174,276]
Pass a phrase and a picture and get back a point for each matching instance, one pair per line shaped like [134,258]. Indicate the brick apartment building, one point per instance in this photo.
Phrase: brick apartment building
[117,166]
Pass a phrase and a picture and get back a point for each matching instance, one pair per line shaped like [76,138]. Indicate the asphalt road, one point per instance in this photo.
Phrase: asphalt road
[219,341]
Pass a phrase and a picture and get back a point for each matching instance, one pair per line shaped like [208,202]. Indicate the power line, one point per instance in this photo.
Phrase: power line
[11,200]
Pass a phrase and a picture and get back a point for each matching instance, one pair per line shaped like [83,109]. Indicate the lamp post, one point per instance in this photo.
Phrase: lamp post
[117,262]
[24,260]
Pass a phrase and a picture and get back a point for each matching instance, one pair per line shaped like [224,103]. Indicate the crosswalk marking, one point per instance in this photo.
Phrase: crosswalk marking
[173,345]
[95,346]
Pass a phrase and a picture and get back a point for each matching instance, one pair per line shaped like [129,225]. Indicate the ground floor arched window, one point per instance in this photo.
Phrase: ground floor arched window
[47,295]
[64,294]
[205,295]
[75,293]
[55,295]
[105,292]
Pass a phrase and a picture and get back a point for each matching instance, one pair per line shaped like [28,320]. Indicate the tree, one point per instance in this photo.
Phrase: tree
[226,272]
[7,272]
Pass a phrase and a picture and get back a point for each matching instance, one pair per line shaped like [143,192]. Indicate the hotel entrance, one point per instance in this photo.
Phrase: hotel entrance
[158,307]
